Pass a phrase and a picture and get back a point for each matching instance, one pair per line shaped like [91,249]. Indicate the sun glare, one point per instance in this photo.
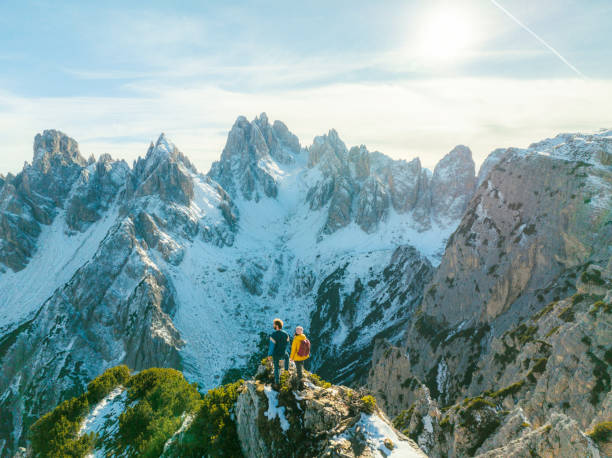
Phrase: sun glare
[445,33]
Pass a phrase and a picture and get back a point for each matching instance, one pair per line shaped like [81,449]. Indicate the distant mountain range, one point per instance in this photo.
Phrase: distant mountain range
[426,287]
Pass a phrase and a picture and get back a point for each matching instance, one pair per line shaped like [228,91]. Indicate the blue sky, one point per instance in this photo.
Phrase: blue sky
[408,78]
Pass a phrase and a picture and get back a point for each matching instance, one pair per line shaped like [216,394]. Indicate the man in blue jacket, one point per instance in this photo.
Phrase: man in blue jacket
[279,342]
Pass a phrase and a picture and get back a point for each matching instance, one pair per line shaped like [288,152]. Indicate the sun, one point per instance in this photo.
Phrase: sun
[445,33]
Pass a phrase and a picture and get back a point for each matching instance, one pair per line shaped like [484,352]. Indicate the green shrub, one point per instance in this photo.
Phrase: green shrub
[602,378]
[601,432]
[368,404]
[285,382]
[552,331]
[102,385]
[593,277]
[55,433]
[213,431]
[507,391]
[163,396]
[523,333]
[476,403]
[540,365]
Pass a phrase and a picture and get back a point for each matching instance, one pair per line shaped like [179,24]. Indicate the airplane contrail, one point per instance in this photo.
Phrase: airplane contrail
[537,37]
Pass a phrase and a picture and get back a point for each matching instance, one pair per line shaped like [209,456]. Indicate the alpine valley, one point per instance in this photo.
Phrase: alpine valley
[474,307]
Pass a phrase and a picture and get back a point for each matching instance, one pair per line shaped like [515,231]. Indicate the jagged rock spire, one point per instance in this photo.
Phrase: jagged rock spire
[53,147]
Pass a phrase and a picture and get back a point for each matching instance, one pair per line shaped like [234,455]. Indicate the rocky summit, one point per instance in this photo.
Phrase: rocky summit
[474,310]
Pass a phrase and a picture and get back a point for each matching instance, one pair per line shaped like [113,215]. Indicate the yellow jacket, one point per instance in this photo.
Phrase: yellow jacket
[295,346]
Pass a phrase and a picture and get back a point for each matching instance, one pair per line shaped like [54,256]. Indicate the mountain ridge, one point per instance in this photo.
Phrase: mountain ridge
[159,265]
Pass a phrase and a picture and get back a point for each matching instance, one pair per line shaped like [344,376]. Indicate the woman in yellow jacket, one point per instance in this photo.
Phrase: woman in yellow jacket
[300,356]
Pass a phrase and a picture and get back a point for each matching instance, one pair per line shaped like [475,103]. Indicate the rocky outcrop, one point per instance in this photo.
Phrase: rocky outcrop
[452,185]
[164,173]
[94,191]
[318,420]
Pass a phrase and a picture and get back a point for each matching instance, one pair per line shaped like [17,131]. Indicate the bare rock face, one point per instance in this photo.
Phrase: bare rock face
[560,438]
[53,148]
[453,184]
[329,151]
[164,172]
[512,334]
[95,190]
[391,379]
[246,167]
[404,184]
[533,222]
[372,204]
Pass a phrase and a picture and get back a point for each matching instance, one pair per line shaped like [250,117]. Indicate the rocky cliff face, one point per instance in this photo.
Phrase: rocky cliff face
[34,196]
[514,315]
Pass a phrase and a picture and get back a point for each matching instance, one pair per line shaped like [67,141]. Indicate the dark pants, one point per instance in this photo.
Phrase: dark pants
[277,368]
[299,365]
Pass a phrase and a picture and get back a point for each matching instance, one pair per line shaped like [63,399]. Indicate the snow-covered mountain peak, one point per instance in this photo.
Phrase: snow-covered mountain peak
[253,157]
[329,151]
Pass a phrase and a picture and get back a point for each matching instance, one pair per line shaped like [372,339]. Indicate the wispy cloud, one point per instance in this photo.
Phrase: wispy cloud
[424,118]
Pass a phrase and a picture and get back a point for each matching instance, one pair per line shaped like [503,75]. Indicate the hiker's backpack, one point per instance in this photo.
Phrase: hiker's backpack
[304,349]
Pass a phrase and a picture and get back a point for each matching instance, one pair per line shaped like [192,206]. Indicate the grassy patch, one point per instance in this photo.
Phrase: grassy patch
[552,331]
[509,390]
[318,381]
[544,311]
[567,315]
